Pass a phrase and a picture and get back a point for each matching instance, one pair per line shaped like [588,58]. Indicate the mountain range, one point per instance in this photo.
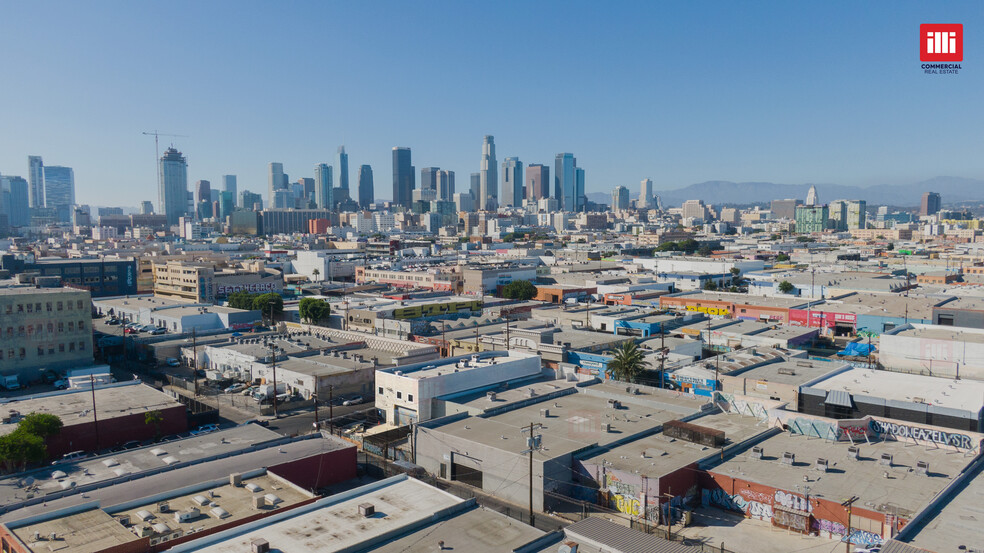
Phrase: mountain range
[952,190]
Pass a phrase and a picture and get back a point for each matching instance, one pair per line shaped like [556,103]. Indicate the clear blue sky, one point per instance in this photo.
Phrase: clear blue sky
[680,92]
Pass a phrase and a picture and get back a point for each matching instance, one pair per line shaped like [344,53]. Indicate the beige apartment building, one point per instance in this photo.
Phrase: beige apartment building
[44,328]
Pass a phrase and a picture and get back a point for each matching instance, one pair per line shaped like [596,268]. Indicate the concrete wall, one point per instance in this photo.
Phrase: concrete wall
[934,357]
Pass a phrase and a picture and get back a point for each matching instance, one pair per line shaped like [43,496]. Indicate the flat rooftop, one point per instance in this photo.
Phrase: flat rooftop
[957,521]
[134,461]
[84,532]
[969,303]
[575,421]
[793,372]
[904,489]
[477,530]
[443,367]
[659,454]
[25,290]
[75,406]
[168,481]
[159,303]
[932,332]
[888,305]
[516,394]
[258,348]
[334,523]
[744,299]
[579,339]
[963,394]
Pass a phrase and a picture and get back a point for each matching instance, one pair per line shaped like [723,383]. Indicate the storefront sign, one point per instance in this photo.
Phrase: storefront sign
[436,309]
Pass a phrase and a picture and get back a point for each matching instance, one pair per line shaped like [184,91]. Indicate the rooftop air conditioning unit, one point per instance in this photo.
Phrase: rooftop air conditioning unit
[259,502]
[886,459]
[236,479]
[922,467]
[259,545]
[757,452]
[163,507]
[490,396]
[367,510]
[788,458]
[605,427]
[822,465]
[545,413]
[854,452]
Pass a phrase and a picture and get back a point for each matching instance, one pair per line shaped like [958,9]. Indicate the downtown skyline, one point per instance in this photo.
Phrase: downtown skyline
[845,104]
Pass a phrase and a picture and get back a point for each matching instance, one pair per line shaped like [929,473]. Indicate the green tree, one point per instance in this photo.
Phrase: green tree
[40,424]
[782,257]
[314,310]
[519,290]
[154,418]
[241,300]
[316,273]
[689,245]
[735,271]
[19,448]
[710,286]
[705,251]
[269,304]
[786,287]
[628,362]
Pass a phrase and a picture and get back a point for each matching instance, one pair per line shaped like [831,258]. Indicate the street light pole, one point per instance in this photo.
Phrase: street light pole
[95,417]
[194,349]
[273,352]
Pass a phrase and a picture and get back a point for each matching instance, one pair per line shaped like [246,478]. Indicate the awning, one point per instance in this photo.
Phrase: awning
[839,398]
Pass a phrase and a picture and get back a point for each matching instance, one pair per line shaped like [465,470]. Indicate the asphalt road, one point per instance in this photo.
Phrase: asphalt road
[303,423]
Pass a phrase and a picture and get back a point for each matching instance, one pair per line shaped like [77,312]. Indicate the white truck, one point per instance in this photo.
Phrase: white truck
[10,382]
[263,391]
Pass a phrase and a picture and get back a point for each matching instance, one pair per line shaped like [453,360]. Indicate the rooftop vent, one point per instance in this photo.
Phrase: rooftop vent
[822,465]
[854,452]
[259,545]
[201,500]
[757,452]
[188,515]
[490,396]
[886,459]
[220,513]
[545,413]
[144,515]
[922,467]
[366,510]
[788,458]
[236,479]
[259,502]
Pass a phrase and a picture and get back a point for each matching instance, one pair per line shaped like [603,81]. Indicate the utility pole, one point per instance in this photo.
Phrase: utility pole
[507,334]
[273,352]
[848,503]
[444,340]
[669,513]
[476,337]
[194,349]
[123,328]
[95,418]
[331,408]
[533,443]
[314,396]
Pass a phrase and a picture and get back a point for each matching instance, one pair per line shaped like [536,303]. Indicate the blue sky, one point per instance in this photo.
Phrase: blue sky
[680,92]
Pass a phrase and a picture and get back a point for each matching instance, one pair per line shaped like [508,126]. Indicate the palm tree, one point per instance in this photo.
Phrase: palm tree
[155,418]
[627,362]
[316,273]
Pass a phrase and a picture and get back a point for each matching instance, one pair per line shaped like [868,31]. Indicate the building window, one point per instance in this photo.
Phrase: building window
[82,325]
[71,326]
[61,306]
[40,351]
[48,305]
[30,308]
[81,346]
[10,332]
[79,304]
[20,307]
[37,307]
[61,326]
[68,305]
[410,398]
[51,327]
[20,331]
[399,395]
[22,353]
[71,346]
[10,309]
[61,348]
[380,390]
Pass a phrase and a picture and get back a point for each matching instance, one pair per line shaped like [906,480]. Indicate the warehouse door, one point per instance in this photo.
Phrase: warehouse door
[405,416]
[467,470]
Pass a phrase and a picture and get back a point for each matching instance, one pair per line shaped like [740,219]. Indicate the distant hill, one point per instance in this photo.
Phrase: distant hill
[953,189]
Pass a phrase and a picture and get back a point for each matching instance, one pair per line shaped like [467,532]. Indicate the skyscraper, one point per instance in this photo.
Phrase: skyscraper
[645,194]
[59,190]
[15,202]
[565,182]
[35,178]
[343,174]
[931,203]
[173,188]
[811,196]
[620,198]
[276,180]
[229,185]
[512,182]
[837,211]
[537,181]
[487,193]
[146,207]
[366,192]
[203,192]
[227,204]
[403,177]
[307,188]
[445,185]
[428,178]
[857,216]
[581,200]
[475,187]
[323,193]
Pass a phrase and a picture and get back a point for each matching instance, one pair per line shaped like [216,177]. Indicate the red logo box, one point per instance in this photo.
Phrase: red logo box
[941,42]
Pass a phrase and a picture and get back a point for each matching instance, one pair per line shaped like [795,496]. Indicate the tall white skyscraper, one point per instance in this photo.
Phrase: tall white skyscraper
[35,180]
[275,180]
[173,188]
[487,193]
[343,173]
[811,196]
[323,193]
[59,190]
[645,194]
[512,182]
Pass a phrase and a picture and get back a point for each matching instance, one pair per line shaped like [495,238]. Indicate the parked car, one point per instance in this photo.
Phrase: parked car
[237,387]
[875,549]
[355,400]
[205,429]
[113,322]
[158,331]
[61,384]
[172,362]
[70,457]
[261,422]
[249,391]
[132,444]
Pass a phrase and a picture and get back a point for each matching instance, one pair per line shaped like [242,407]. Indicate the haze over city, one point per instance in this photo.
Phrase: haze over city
[677,92]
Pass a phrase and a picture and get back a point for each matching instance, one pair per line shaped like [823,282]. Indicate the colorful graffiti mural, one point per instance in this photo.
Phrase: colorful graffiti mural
[830,528]
[791,501]
[752,509]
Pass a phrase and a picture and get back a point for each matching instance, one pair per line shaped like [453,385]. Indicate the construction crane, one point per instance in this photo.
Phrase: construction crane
[157,150]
